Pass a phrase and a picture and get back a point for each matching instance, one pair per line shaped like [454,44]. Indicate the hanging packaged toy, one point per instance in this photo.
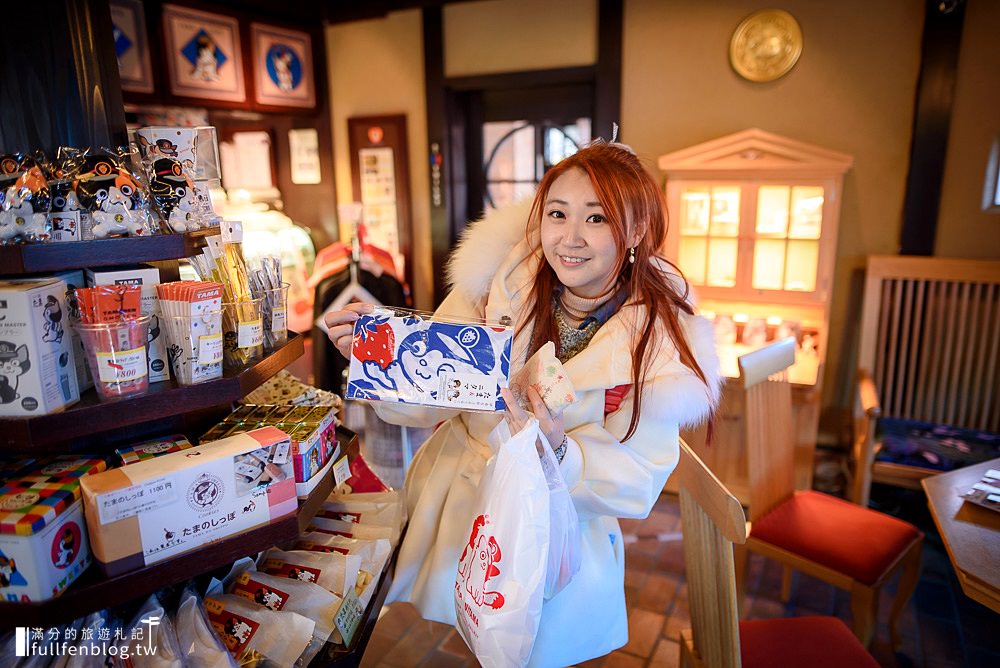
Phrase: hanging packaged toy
[24,200]
[110,193]
[65,214]
[174,196]
[432,360]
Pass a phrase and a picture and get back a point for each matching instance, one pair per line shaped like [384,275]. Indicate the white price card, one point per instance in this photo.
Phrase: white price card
[128,501]
[250,334]
[469,390]
[278,320]
[210,349]
[122,366]
[341,471]
[232,231]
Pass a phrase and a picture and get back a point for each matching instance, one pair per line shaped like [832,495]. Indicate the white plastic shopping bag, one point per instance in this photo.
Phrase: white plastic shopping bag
[501,573]
[564,525]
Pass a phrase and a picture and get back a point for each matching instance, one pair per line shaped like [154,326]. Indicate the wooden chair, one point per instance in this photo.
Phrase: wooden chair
[850,547]
[713,520]
[928,352]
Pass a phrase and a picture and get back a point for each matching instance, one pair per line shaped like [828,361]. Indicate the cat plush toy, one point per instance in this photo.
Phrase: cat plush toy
[173,194]
[112,197]
[24,207]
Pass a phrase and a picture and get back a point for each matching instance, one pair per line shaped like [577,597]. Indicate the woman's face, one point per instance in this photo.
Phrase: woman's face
[576,237]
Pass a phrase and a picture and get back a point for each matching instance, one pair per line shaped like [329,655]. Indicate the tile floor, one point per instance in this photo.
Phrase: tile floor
[941,627]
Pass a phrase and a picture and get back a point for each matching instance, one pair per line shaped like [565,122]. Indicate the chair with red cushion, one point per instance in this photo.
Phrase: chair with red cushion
[712,521]
[853,548]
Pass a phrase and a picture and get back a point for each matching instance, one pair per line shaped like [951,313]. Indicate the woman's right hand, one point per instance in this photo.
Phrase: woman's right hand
[341,326]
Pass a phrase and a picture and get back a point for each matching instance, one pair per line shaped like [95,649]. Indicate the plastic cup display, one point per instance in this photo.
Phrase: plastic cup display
[275,312]
[116,354]
[195,346]
[242,333]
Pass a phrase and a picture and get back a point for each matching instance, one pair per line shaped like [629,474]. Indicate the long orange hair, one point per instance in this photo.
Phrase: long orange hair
[632,203]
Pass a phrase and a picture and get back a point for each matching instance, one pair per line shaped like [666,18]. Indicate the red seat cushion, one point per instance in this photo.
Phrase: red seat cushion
[843,536]
[798,642]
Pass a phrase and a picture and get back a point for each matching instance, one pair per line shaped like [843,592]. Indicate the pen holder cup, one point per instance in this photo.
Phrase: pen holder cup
[117,356]
[242,333]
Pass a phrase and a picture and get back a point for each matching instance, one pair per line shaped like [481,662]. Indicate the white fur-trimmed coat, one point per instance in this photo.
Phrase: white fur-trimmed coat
[491,273]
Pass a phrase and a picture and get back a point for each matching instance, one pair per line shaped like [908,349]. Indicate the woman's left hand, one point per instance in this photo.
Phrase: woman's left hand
[550,425]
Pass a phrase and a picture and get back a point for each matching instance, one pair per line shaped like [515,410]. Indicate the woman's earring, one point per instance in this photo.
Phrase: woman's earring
[631,255]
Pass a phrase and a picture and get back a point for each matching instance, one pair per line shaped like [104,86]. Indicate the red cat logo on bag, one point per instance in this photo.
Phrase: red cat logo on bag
[478,565]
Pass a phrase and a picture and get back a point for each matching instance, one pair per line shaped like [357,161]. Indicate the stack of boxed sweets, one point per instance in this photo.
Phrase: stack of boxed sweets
[279,608]
[311,429]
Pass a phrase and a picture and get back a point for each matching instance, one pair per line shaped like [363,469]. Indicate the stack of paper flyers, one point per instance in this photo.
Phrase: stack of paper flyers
[192,313]
[414,358]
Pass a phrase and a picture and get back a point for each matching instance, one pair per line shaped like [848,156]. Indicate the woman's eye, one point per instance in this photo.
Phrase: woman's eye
[556,214]
[596,218]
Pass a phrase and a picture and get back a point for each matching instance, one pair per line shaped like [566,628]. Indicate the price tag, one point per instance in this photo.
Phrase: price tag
[250,334]
[119,367]
[210,349]
[232,231]
[278,320]
[348,617]
[129,501]
[341,471]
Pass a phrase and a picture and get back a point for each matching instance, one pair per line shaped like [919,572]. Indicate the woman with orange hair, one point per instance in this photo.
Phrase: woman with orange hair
[581,268]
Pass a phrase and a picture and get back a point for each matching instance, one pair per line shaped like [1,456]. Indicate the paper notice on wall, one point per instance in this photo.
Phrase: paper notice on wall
[303,148]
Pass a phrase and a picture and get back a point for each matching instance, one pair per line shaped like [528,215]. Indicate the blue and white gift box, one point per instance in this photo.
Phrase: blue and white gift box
[414,358]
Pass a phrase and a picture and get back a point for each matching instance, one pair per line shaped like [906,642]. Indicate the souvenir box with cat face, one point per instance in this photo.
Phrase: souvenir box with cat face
[416,358]
[43,538]
[37,356]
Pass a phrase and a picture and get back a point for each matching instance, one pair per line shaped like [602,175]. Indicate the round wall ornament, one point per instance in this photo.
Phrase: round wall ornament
[765,45]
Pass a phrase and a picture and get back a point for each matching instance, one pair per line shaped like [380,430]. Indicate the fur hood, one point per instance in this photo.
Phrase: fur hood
[483,247]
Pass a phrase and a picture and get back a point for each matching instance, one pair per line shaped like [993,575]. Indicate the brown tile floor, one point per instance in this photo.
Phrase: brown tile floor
[940,627]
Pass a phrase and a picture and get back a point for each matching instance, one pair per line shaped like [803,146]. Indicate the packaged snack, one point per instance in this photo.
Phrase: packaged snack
[334,572]
[352,530]
[415,358]
[37,356]
[24,203]
[200,646]
[150,627]
[154,509]
[91,650]
[373,509]
[545,373]
[374,556]
[192,314]
[154,447]
[254,633]
[277,593]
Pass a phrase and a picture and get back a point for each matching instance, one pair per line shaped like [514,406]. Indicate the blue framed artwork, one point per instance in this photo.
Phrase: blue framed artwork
[203,54]
[128,24]
[283,67]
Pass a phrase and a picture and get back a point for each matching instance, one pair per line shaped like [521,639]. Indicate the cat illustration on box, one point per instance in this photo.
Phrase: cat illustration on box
[53,327]
[14,363]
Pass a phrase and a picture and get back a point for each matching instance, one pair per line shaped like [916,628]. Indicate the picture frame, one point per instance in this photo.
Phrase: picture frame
[283,69]
[204,57]
[128,22]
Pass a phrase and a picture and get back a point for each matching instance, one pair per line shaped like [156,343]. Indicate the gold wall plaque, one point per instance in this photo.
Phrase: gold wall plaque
[765,45]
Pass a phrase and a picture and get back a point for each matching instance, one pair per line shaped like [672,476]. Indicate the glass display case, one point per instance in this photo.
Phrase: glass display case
[753,227]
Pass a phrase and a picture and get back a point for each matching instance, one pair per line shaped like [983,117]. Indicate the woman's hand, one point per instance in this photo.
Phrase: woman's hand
[341,326]
[550,425]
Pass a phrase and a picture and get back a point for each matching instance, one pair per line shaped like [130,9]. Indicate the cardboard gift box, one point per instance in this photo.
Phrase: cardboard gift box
[158,508]
[43,538]
[37,355]
[413,358]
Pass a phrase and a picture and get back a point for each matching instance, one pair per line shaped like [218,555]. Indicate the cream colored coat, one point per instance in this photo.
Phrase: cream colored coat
[607,479]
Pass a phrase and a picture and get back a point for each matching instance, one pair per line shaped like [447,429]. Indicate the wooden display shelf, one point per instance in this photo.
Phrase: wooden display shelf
[95,592]
[52,256]
[93,416]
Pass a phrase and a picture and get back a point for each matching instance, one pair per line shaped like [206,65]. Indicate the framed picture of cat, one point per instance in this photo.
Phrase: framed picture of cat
[203,54]
[128,24]
[282,67]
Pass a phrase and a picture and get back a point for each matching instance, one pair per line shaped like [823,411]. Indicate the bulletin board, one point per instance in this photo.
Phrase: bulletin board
[381,182]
